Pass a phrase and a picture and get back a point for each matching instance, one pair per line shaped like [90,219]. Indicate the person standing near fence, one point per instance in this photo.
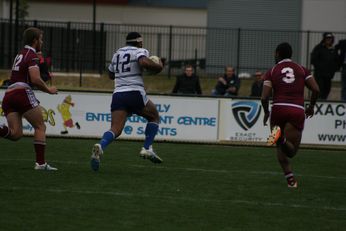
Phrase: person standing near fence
[19,100]
[129,97]
[341,48]
[325,60]
[286,81]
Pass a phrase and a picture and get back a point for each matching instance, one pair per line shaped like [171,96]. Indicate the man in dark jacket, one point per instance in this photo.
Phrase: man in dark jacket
[325,60]
[228,84]
[187,83]
[341,48]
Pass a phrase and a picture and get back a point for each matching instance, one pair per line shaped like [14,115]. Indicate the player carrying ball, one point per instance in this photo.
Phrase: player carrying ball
[130,97]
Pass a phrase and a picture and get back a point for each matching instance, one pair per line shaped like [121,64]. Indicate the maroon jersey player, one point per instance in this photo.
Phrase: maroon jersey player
[20,101]
[286,81]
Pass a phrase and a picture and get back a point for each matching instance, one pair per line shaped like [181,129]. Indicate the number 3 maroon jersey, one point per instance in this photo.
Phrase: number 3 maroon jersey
[25,59]
[287,79]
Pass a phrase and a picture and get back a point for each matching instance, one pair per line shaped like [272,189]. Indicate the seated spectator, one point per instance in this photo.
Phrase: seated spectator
[44,64]
[257,85]
[228,84]
[187,83]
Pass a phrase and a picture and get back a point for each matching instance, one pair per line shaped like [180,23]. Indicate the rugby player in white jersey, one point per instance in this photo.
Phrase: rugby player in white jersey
[129,97]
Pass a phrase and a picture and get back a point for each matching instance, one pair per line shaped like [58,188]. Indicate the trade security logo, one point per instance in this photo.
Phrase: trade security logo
[246,113]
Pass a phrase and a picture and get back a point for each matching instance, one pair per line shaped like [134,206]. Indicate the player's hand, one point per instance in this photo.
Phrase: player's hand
[265,118]
[52,90]
[163,61]
[309,111]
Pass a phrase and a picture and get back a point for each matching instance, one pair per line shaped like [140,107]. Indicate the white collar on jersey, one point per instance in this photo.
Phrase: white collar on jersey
[29,47]
[285,60]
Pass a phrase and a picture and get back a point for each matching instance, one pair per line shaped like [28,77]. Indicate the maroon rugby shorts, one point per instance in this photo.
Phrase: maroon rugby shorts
[280,115]
[19,100]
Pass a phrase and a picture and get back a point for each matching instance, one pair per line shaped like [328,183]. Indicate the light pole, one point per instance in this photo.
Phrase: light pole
[94,35]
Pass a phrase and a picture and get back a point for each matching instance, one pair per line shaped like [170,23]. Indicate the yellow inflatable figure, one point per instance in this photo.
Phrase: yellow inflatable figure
[66,115]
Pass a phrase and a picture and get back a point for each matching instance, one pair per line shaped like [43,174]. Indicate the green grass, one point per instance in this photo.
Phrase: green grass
[198,187]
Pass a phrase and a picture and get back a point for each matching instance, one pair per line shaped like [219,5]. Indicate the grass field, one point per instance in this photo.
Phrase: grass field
[198,187]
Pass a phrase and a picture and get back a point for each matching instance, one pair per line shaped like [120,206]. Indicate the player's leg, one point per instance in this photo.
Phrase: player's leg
[151,114]
[117,124]
[14,130]
[287,148]
[35,118]
[290,140]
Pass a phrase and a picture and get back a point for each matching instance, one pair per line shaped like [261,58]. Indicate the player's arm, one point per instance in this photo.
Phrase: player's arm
[34,73]
[266,93]
[111,75]
[148,64]
[312,85]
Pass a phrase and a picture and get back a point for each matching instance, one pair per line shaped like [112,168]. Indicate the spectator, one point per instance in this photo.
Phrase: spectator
[257,85]
[324,58]
[341,48]
[187,83]
[44,65]
[228,84]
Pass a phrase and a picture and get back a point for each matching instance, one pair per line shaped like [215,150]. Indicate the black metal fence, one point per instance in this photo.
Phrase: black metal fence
[81,47]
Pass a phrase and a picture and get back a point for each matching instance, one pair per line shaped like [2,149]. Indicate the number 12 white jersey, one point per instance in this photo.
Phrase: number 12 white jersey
[126,69]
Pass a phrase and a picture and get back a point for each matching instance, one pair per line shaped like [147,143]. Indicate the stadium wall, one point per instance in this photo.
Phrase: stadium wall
[186,119]
[118,14]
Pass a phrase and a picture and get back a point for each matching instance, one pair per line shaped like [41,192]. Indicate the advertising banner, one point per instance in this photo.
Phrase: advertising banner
[328,126]
[88,115]
[189,119]
[242,120]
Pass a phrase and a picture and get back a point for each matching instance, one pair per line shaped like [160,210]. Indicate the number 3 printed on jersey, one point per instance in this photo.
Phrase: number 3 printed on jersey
[17,61]
[289,75]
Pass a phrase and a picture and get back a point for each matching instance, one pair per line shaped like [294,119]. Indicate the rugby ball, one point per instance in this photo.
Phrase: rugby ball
[155,59]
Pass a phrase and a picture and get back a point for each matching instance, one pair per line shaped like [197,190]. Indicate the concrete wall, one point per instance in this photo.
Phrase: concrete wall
[255,14]
[324,15]
[118,14]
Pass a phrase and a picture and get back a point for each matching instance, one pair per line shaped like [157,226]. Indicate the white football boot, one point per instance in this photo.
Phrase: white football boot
[96,154]
[150,154]
[45,167]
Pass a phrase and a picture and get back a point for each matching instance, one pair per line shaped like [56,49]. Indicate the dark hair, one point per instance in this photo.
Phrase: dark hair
[30,34]
[327,35]
[188,66]
[133,38]
[284,50]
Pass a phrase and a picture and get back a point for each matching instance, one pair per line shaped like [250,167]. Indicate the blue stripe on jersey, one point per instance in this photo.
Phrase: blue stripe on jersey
[124,76]
[128,49]
[131,84]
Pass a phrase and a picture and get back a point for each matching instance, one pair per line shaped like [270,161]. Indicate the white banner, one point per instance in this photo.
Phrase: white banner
[242,120]
[88,115]
[188,119]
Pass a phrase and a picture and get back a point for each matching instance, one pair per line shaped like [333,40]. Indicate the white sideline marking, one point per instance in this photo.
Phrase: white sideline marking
[126,194]
[191,169]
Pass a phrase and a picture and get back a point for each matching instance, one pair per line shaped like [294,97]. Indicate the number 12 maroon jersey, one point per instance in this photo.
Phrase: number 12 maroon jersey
[25,59]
